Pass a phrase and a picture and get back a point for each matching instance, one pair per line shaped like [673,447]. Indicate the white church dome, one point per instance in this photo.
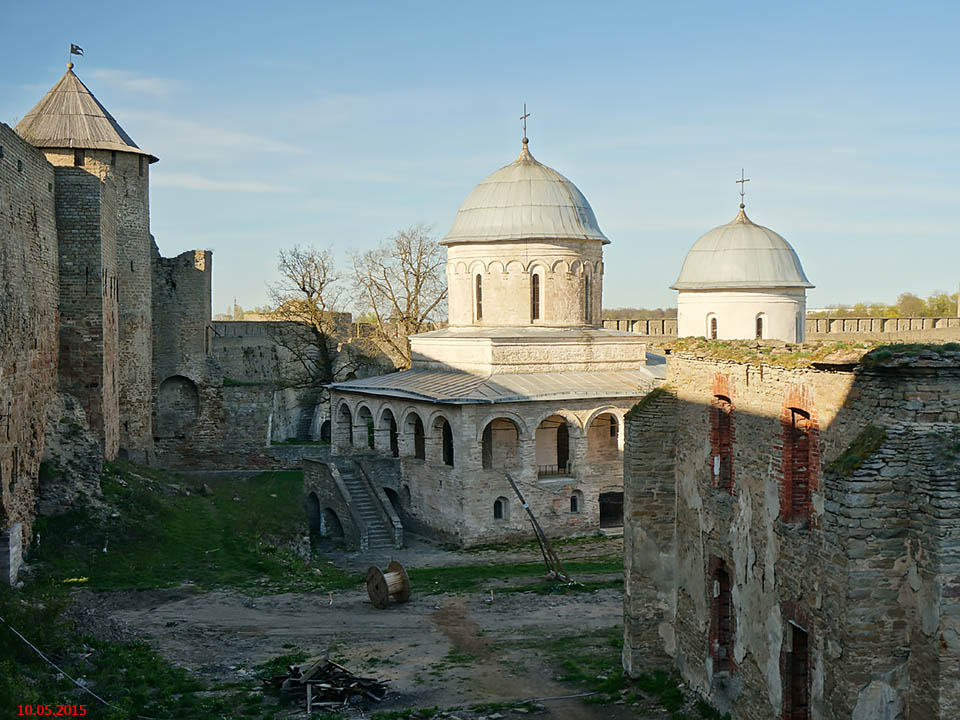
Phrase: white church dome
[741,254]
[524,201]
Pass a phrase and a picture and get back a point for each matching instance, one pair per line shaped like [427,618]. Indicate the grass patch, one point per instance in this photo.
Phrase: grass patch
[865,444]
[646,401]
[560,588]
[467,578]
[239,536]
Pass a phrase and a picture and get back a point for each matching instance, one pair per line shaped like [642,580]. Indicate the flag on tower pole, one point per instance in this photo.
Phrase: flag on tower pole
[75,49]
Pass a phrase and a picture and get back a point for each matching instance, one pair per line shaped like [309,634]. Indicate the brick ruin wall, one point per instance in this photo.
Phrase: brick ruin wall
[29,288]
[873,579]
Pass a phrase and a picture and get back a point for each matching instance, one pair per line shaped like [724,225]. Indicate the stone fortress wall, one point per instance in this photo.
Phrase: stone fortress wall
[30,287]
[867,575]
[909,330]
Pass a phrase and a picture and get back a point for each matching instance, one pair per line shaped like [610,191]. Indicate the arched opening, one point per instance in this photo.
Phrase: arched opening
[325,431]
[587,308]
[314,516]
[721,621]
[331,527]
[178,404]
[365,420]
[345,425]
[611,509]
[760,327]
[721,441]
[553,447]
[501,509]
[394,500]
[442,427]
[796,464]
[414,428]
[603,441]
[478,297]
[389,423]
[576,501]
[713,328]
[499,444]
[535,296]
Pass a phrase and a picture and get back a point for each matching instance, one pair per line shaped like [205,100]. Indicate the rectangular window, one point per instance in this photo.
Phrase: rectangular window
[113,157]
[78,158]
[721,441]
[535,297]
[479,298]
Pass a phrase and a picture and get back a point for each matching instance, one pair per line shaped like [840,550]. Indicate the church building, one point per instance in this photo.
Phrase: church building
[742,281]
[522,381]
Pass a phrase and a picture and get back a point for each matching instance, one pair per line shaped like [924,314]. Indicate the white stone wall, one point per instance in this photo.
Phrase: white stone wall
[569,272]
[783,311]
[458,501]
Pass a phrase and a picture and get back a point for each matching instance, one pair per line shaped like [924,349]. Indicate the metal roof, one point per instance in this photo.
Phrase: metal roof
[525,200]
[69,116]
[463,388]
[741,254]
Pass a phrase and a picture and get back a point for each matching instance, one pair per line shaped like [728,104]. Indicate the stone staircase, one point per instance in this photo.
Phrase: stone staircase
[379,530]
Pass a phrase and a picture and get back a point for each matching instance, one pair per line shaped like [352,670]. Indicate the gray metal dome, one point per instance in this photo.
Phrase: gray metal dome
[741,254]
[525,200]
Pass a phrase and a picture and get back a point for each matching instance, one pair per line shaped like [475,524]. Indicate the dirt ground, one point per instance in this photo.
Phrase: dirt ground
[444,650]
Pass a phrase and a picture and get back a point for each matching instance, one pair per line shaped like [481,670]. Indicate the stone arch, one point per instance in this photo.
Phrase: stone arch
[330,525]
[478,267]
[499,444]
[314,515]
[443,434]
[515,267]
[413,427]
[325,428]
[522,431]
[604,436]
[344,424]
[576,267]
[553,446]
[461,268]
[365,423]
[571,417]
[495,266]
[178,405]
[388,423]
[560,266]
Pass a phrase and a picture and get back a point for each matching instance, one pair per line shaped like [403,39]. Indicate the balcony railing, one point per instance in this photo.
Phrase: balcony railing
[554,470]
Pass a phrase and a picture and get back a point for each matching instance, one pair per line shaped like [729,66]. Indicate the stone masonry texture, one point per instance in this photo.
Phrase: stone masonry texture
[867,574]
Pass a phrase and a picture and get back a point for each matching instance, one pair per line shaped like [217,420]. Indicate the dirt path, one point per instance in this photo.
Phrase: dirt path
[443,650]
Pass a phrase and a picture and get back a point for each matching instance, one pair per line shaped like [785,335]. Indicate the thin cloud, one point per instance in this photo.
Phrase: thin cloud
[189,181]
[195,134]
[134,82]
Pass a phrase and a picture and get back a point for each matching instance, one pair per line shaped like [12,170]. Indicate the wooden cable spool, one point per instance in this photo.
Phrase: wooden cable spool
[382,586]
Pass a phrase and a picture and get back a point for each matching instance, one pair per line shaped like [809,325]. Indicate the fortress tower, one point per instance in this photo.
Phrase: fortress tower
[103,217]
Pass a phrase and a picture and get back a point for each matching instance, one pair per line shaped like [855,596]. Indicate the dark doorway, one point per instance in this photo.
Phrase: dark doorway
[722,620]
[563,447]
[325,431]
[394,500]
[611,509]
[419,447]
[797,698]
[394,442]
[447,436]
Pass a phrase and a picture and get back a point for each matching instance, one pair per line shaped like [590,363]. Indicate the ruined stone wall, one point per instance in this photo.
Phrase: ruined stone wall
[29,291]
[89,351]
[843,574]
[182,332]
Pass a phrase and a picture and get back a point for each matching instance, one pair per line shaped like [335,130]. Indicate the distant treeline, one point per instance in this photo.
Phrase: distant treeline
[638,313]
[940,304]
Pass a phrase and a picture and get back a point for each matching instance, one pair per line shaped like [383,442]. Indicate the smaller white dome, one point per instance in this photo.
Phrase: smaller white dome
[525,200]
[741,254]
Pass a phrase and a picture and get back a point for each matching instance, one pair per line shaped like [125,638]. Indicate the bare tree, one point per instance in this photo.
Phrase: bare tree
[401,285]
[308,305]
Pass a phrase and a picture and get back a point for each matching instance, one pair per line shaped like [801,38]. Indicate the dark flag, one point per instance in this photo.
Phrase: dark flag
[75,49]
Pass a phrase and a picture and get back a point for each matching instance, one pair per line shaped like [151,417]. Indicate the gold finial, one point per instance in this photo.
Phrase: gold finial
[741,182]
[69,66]
[524,118]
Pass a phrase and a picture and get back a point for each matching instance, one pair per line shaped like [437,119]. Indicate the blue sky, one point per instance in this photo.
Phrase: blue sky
[335,124]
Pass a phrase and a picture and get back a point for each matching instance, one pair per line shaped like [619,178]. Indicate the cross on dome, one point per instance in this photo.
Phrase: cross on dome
[524,118]
[741,181]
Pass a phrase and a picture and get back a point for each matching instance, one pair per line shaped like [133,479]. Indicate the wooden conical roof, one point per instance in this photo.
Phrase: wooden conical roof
[69,116]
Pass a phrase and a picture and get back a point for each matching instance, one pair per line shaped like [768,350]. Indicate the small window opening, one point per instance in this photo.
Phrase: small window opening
[113,157]
[759,327]
[713,328]
[1,152]
[797,696]
[574,504]
[498,509]
[78,158]
[19,165]
[586,297]
[535,297]
[721,440]
[479,298]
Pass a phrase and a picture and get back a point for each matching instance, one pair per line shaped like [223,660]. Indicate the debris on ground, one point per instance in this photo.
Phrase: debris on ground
[326,685]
